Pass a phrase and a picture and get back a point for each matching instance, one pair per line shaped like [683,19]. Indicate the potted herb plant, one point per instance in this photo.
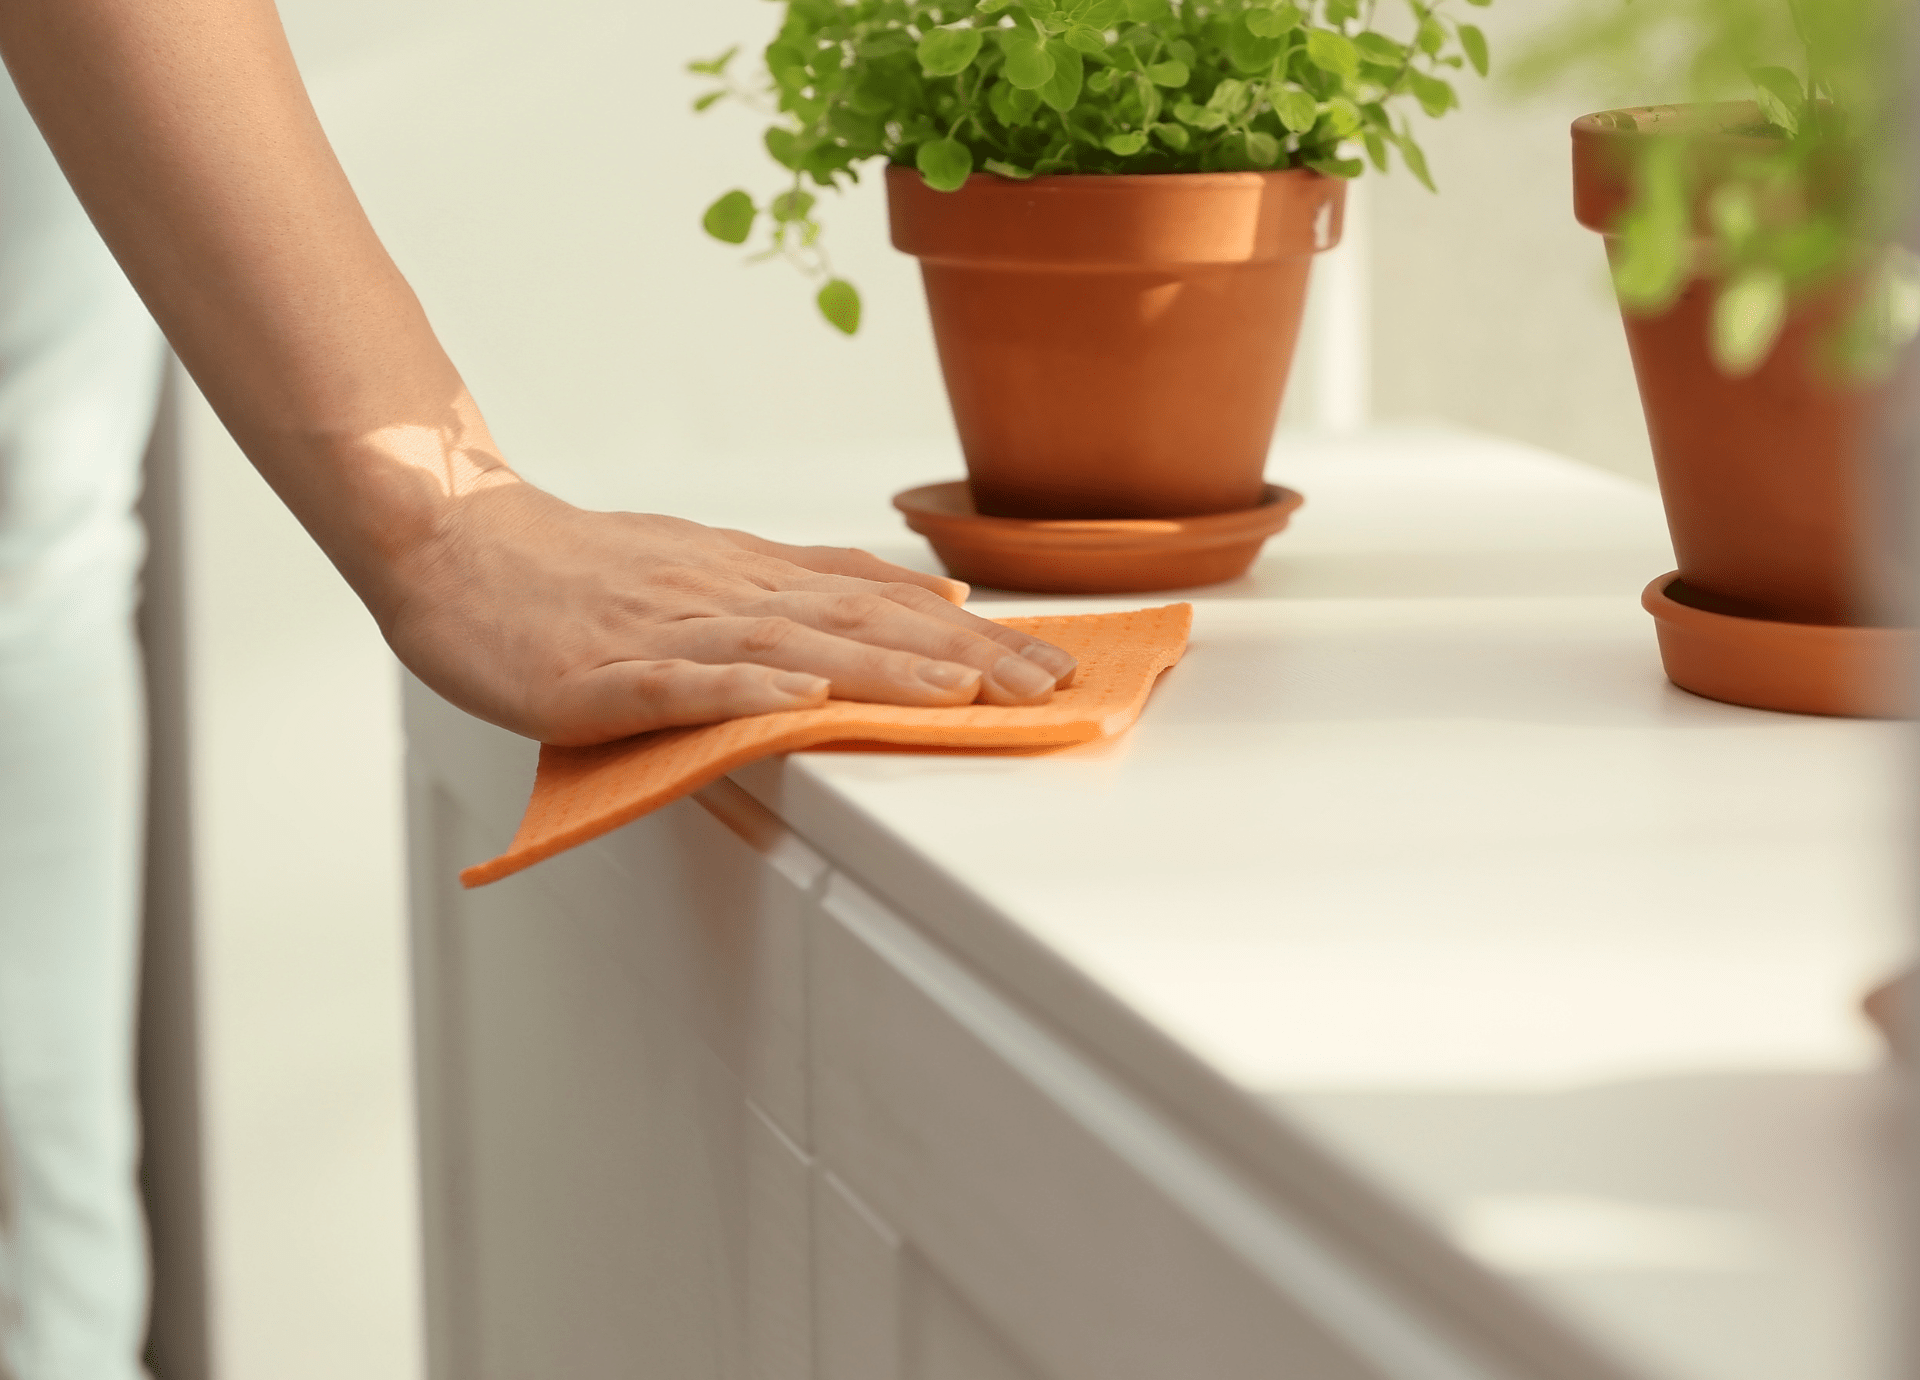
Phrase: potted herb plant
[1114,204]
[1766,301]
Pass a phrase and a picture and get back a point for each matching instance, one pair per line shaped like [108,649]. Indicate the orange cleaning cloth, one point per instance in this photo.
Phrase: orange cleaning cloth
[582,793]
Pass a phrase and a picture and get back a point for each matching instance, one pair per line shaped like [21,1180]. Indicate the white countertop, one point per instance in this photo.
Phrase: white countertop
[1419,845]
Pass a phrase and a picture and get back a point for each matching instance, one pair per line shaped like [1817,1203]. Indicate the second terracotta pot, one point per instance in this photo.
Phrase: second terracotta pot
[1763,477]
[1116,346]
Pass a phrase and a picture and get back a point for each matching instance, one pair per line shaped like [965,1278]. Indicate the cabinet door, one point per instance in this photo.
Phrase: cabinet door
[613,1101]
[990,1205]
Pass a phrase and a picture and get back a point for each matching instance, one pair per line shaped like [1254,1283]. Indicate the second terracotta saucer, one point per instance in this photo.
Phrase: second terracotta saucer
[1093,555]
[1801,668]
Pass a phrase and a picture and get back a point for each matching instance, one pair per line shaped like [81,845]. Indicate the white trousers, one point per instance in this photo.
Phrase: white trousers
[80,366]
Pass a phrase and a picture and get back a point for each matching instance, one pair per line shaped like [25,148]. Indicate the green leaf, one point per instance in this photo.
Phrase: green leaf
[1735,215]
[1376,149]
[1230,97]
[1087,14]
[947,52]
[1188,113]
[707,100]
[790,206]
[1431,38]
[884,44]
[1029,64]
[1332,52]
[1263,149]
[1436,97]
[1811,248]
[713,67]
[1297,109]
[730,218]
[839,302]
[1340,11]
[1474,44]
[1012,106]
[1173,136]
[1748,313]
[1653,251]
[1416,160]
[1249,53]
[1000,169]
[862,132]
[1102,81]
[1379,49]
[1344,168]
[1274,21]
[1781,100]
[784,146]
[944,163]
[1343,117]
[1148,11]
[1181,51]
[1089,41]
[1170,73]
[1061,91]
[1126,143]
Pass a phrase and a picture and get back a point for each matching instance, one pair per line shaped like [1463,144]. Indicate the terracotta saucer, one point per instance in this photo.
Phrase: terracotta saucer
[1801,668]
[1092,555]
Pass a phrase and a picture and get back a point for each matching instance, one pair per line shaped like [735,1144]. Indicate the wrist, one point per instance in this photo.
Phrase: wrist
[386,503]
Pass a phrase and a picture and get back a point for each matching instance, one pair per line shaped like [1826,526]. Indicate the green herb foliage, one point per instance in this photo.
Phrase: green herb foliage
[1809,201]
[1022,88]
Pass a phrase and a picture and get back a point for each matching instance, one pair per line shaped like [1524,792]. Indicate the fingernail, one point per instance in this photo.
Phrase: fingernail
[1050,657]
[800,686]
[948,675]
[1018,676]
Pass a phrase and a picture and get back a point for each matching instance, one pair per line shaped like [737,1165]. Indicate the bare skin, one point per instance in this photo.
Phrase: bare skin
[187,133]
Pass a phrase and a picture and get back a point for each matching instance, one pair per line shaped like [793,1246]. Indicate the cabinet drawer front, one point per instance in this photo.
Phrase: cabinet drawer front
[1092,1235]
[611,1053]
[700,909]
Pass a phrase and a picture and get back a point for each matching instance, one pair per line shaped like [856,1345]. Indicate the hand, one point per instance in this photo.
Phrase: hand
[578,627]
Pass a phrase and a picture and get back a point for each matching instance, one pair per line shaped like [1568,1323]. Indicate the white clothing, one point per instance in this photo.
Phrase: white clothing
[80,366]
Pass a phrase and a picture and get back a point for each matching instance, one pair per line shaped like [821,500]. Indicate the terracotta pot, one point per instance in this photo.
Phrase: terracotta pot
[1762,476]
[1116,346]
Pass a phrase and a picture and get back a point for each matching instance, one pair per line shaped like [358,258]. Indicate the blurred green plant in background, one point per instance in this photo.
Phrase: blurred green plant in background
[1021,88]
[1808,195]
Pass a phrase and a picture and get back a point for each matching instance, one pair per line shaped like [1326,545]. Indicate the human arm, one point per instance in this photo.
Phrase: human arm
[186,131]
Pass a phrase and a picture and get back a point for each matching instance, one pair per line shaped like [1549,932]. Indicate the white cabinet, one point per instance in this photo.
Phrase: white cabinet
[613,1094]
[694,1104]
[1022,1214]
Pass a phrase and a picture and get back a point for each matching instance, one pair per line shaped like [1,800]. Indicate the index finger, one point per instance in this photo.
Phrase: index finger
[1056,661]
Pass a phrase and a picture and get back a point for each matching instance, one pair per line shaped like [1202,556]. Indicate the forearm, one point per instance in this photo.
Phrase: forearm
[186,131]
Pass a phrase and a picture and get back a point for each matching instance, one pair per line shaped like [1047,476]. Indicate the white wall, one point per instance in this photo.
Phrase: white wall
[538,176]
[1491,307]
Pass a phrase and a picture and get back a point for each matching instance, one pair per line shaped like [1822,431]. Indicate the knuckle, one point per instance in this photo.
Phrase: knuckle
[849,612]
[763,635]
[655,680]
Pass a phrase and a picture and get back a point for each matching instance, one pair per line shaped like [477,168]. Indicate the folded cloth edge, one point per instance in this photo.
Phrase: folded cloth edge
[797,739]
[800,736]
